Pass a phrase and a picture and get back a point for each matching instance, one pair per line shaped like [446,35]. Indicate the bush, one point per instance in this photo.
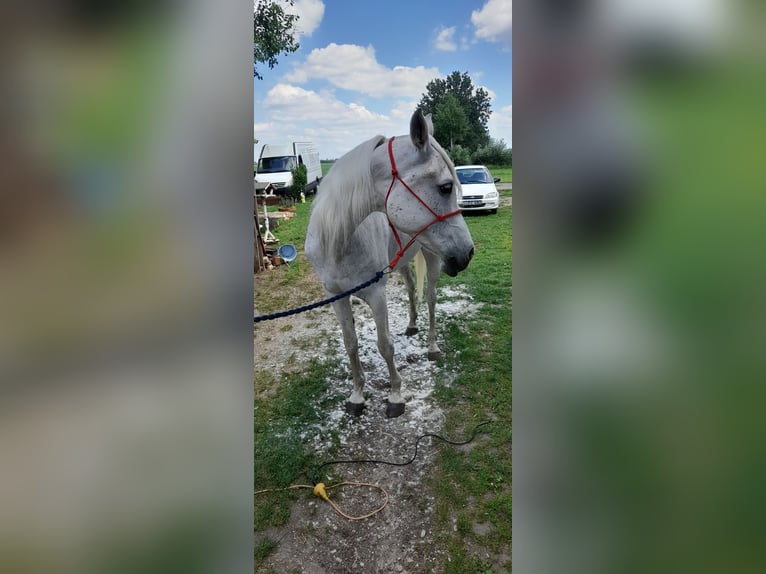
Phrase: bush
[494,153]
[460,155]
[300,179]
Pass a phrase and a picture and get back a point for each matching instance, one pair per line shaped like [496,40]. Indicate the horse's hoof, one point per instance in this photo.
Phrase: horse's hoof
[411,331]
[394,410]
[435,355]
[354,409]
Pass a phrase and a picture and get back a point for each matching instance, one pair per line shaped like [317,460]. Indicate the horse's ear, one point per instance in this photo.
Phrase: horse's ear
[430,124]
[419,130]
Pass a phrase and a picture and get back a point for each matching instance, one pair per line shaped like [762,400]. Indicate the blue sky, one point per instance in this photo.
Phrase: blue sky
[363,66]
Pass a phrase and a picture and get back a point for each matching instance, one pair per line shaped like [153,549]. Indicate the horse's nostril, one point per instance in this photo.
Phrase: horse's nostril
[470,254]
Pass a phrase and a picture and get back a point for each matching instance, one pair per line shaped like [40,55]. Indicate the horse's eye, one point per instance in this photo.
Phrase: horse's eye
[446,188]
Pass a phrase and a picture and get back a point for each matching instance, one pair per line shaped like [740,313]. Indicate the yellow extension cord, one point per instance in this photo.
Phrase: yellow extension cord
[320,490]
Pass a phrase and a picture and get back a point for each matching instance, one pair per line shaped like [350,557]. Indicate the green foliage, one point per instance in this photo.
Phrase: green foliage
[460,155]
[299,180]
[450,122]
[273,33]
[475,103]
[495,152]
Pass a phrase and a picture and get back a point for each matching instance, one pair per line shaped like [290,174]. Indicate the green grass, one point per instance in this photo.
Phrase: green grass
[292,285]
[263,548]
[293,230]
[480,352]
[281,457]
[461,563]
[326,165]
[505,173]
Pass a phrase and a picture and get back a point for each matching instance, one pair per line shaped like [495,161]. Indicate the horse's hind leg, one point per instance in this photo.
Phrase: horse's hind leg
[377,302]
[409,282]
[355,403]
[434,269]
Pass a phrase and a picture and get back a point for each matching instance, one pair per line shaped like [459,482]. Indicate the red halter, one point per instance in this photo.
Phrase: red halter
[437,217]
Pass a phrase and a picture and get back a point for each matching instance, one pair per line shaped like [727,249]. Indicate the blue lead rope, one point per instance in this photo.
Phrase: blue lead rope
[378,277]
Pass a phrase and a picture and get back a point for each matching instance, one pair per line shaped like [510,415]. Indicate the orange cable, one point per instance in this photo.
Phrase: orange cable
[320,491]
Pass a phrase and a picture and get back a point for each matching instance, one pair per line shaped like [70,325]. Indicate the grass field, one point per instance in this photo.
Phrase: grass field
[505,173]
[476,486]
[326,165]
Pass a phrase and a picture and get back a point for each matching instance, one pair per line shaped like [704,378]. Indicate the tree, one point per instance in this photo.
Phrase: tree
[494,153]
[273,33]
[450,121]
[474,102]
[300,177]
[460,155]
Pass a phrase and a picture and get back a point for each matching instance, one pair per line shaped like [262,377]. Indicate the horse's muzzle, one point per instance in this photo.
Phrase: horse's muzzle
[454,265]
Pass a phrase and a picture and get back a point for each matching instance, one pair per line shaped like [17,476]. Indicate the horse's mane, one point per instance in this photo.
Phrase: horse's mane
[344,197]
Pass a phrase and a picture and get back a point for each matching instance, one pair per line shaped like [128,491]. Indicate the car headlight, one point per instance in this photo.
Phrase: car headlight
[491,195]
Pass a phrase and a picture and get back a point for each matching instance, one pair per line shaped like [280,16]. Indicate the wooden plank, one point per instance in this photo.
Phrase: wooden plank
[260,249]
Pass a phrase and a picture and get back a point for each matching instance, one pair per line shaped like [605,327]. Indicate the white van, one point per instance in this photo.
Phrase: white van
[277,161]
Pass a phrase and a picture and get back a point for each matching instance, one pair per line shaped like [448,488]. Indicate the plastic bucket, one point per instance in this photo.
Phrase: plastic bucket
[288,252]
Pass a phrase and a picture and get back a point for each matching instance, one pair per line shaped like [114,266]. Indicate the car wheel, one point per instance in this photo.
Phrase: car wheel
[493,211]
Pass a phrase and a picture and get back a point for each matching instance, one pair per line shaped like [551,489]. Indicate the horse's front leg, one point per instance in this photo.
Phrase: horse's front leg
[377,302]
[434,269]
[355,403]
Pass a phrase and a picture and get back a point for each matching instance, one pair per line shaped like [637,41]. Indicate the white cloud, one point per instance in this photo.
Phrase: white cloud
[403,110]
[500,124]
[506,114]
[260,127]
[289,113]
[492,95]
[494,21]
[355,68]
[335,126]
[445,40]
[310,13]
[292,103]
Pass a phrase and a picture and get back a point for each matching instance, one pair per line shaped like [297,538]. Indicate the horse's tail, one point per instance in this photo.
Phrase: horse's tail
[420,274]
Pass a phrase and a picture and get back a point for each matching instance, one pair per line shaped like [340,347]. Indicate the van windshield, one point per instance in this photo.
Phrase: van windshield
[275,164]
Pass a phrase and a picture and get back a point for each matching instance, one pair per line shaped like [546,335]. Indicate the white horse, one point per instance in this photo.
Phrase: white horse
[382,195]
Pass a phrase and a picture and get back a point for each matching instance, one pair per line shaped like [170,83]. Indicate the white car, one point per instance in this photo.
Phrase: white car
[479,191]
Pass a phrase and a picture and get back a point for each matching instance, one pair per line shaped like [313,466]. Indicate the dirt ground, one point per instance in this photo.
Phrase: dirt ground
[401,538]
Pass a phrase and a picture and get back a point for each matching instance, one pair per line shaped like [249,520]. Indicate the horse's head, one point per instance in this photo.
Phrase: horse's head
[422,192]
